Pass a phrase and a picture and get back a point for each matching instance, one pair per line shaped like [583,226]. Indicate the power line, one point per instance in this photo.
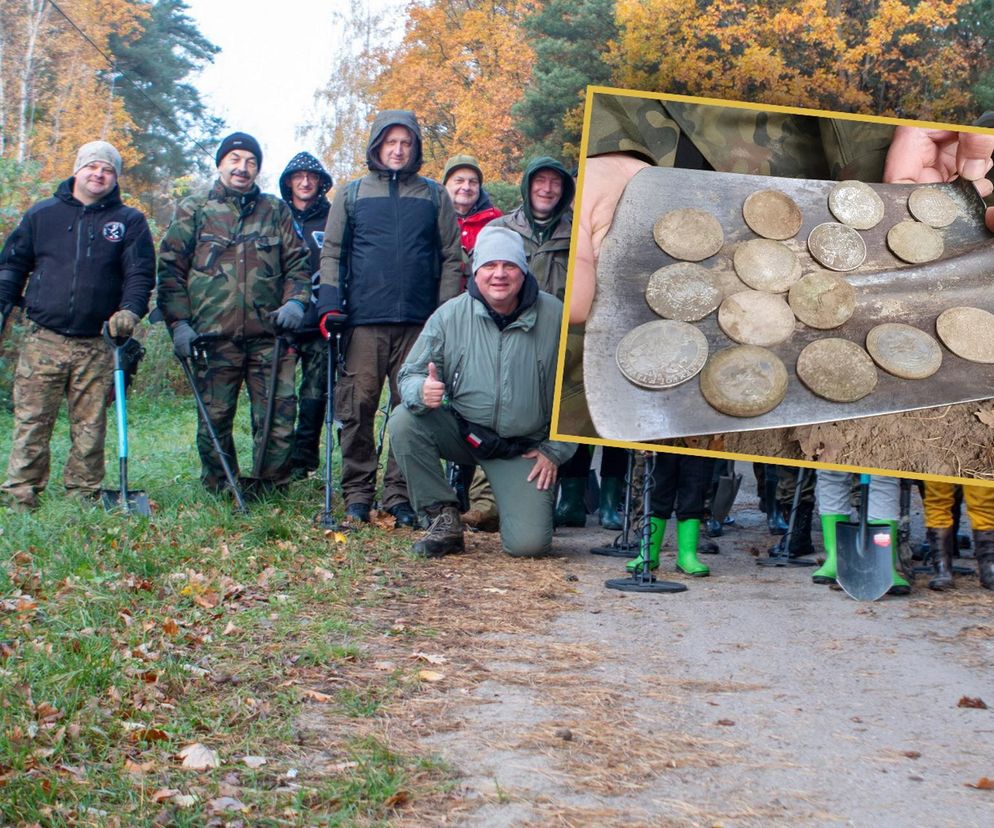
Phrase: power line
[113,65]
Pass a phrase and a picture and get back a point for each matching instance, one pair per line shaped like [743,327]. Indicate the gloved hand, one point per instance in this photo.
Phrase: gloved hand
[183,339]
[290,315]
[332,322]
[122,323]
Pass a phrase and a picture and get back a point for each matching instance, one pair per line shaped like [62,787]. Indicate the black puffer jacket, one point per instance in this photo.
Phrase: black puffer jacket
[85,262]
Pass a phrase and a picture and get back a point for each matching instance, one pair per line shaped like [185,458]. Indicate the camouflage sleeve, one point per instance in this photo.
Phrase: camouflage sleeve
[450,249]
[175,257]
[295,259]
[429,347]
[641,126]
[138,260]
[17,260]
[333,255]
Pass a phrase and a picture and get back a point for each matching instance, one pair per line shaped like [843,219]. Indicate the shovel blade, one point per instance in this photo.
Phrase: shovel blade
[724,496]
[864,561]
[136,503]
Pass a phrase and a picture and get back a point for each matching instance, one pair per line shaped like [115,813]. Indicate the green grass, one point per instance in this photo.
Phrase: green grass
[124,639]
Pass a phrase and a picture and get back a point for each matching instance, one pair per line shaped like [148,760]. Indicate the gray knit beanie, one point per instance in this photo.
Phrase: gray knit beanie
[499,244]
[98,151]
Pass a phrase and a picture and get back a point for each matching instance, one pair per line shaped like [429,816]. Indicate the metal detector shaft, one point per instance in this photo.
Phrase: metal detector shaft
[327,518]
[267,421]
[205,418]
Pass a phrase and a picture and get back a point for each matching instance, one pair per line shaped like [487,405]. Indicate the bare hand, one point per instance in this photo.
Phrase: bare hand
[433,390]
[543,472]
[604,180]
[925,156]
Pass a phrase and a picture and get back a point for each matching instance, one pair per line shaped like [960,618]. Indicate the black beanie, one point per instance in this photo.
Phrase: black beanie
[239,141]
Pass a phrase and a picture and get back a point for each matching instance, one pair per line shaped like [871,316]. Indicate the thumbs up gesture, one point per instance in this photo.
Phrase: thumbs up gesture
[433,389]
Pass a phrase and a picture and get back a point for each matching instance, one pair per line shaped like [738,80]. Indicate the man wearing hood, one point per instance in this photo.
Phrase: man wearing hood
[91,261]
[477,388]
[304,185]
[232,266]
[391,255]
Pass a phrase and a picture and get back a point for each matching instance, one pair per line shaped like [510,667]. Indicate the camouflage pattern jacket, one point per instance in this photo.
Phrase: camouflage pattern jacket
[228,259]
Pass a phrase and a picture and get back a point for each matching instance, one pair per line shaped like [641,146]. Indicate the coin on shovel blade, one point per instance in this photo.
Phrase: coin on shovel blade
[903,350]
[662,353]
[683,291]
[932,206]
[765,264]
[822,300]
[837,369]
[688,234]
[752,317]
[744,381]
[968,333]
[836,246]
[856,204]
[914,242]
[772,214]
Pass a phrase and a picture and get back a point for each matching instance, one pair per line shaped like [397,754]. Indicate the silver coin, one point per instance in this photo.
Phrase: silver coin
[662,353]
[856,204]
[822,300]
[914,242]
[684,291]
[752,317]
[744,381]
[904,351]
[968,333]
[688,234]
[932,206]
[765,264]
[836,246]
[837,369]
[772,214]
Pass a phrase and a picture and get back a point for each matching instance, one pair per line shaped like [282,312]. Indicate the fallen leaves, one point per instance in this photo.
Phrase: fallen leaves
[199,757]
[975,703]
[985,783]
[431,675]
[317,696]
[254,762]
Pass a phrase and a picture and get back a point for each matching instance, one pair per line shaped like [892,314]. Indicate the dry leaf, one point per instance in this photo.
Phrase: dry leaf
[170,627]
[725,722]
[226,803]
[229,629]
[324,574]
[163,794]
[254,761]
[397,800]
[495,590]
[431,658]
[184,800]
[430,675]
[199,757]
[148,734]
[975,703]
[986,417]
[317,696]
[983,784]
[337,537]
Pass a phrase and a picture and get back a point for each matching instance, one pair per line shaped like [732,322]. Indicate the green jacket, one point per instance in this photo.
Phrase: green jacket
[229,259]
[503,380]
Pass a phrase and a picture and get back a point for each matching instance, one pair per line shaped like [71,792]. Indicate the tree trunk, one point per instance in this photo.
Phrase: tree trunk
[37,11]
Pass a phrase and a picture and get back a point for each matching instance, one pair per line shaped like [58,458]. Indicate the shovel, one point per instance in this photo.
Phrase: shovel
[865,554]
[127,351]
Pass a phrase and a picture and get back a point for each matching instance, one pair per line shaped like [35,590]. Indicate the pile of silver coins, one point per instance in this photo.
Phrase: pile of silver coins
[748,379]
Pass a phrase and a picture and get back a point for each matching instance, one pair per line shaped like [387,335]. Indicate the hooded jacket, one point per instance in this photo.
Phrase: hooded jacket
[309,223]
[85,262]
[546,242]
[479,216]
[390,256]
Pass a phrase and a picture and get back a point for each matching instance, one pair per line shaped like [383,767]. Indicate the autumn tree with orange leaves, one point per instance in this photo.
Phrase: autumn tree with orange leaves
[885,57]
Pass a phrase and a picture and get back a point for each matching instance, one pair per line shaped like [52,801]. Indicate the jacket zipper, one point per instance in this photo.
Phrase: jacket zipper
[75,268]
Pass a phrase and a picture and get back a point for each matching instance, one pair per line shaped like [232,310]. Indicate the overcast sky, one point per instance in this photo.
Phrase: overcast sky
[273,58]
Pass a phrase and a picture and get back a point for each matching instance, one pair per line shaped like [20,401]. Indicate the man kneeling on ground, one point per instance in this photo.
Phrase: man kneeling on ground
[477,388]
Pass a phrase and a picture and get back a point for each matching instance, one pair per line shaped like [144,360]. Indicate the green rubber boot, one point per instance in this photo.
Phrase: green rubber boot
[572,510]
[826,573]
[612,490]
[657,527]
[687,534]
[900,586]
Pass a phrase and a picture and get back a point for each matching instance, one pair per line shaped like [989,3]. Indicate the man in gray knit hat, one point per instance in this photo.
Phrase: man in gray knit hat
[75,261]
[477,388]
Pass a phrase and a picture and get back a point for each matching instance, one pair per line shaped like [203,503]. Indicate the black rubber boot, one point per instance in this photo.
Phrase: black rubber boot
[983,543]
[774,521]
[800,541]
[445,532]
[940,542]
[307,438]
[612,492]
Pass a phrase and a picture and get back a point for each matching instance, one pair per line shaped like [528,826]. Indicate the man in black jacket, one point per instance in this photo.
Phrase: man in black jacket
[91,260]
[304,186]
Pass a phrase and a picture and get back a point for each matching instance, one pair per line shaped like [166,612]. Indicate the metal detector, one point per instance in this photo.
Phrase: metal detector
[642,579]
[780,556]
[326,520]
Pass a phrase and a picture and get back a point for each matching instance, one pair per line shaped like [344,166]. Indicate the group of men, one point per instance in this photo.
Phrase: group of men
[367,277]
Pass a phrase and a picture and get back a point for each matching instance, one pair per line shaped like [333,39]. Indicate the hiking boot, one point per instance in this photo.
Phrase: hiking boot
[476,519]
[940,543]
[444,535]
[404,516]
[357,512]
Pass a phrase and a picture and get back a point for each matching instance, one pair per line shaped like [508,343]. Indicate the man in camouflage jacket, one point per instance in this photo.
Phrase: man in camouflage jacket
[232,266]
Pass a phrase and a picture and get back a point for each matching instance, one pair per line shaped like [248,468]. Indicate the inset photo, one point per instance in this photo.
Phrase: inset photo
[784,283]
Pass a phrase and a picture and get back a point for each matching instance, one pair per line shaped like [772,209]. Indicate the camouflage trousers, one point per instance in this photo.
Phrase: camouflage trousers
[229,364]
[50,367]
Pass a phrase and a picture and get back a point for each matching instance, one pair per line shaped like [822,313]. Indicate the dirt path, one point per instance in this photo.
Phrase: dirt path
[753,699]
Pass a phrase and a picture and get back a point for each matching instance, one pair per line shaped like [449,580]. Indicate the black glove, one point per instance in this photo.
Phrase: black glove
[290,315]
[183,338]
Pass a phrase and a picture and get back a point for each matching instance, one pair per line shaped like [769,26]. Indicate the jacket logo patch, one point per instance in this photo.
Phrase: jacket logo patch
[114,231]
[318,236]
